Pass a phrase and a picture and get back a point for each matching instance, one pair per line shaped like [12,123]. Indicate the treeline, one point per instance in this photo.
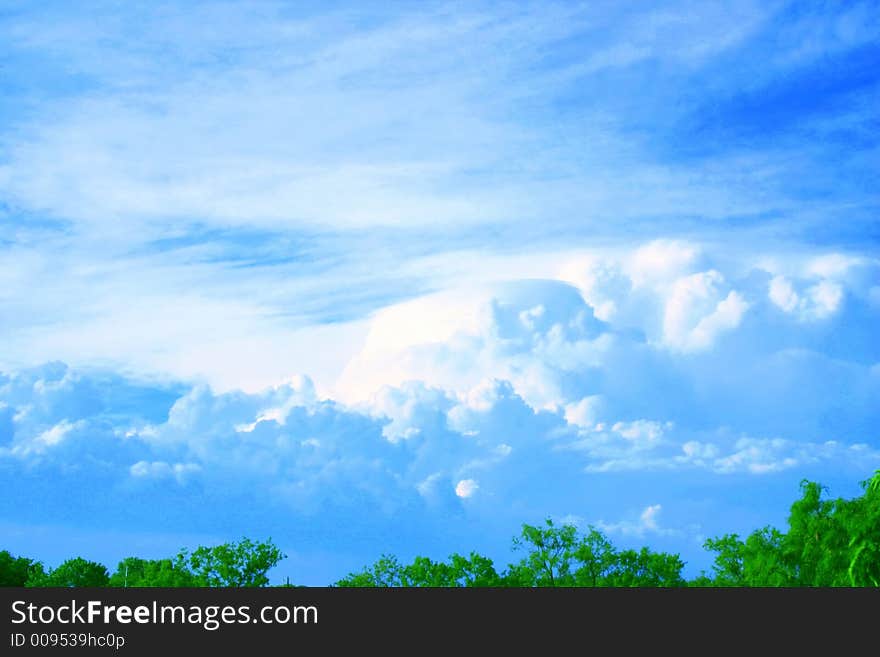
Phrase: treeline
[241,564]
[829,542]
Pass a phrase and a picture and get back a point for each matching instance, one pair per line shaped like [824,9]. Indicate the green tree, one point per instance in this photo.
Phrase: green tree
[240,564]
[596,559]
[15,571]
[134,572]
[386,572]
[425,572]
[728,568]
[862,517]
[816,545]
[77,572]
[760,560]
[647,568]
[549,555]
[766,561]
[475,570]
[559,556]
[829,542]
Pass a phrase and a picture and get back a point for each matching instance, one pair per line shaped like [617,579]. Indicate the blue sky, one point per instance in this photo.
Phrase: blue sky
[378,277]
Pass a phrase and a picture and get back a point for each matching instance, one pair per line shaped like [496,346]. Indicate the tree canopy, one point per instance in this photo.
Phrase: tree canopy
[553,555]
[830,542]
[76,572]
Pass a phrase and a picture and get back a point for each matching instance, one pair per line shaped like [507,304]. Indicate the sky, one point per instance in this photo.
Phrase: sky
[398,277]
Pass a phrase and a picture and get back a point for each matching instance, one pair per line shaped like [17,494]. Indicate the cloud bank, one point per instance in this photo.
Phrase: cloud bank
[493,404]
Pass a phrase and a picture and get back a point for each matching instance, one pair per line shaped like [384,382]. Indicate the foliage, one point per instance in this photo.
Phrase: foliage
[134,572]
[864,543]
[554,555]
[77,572]
[729,568]
[16,571]
[473,570]
[559,556]
[387,571]
[646,568]
[828,543]
[550,556]
[241,564]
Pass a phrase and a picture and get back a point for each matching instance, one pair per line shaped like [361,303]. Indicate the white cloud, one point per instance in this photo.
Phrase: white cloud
[466,488]
[162,470]
[429,484]
[323,111]
[44,441]
[584,413]
[835,266]
[458,340]
[763,456]
[826,297]
[54,435]
[496,383]
[411,409]
[698,452]
[661,262]
[726,317]
[647,523]
[412,449]
[816,302]
[782,294]
[696,314]
[642,434]
[648,518]
[757,456]
[601,281]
